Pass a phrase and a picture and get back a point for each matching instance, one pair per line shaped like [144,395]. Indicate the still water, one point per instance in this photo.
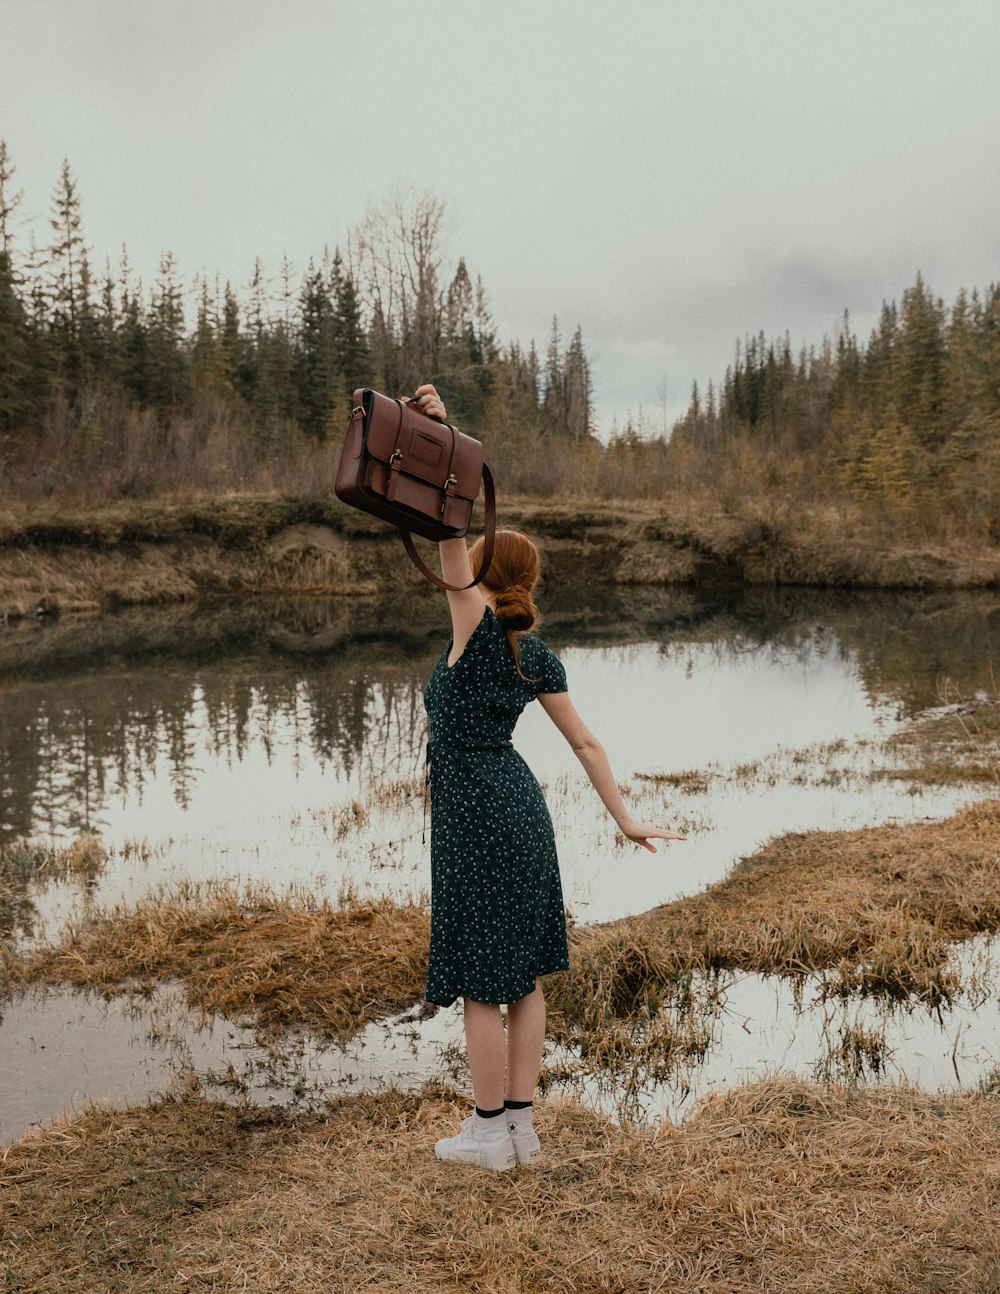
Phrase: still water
[284,742]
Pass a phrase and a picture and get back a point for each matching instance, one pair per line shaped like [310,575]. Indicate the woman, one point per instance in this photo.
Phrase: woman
[497,916]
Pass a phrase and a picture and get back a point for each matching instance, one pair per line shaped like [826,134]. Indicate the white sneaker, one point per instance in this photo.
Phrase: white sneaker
[479,1143]
[523,1137]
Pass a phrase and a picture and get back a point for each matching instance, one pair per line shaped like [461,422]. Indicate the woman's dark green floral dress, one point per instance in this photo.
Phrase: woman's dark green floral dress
[497,916]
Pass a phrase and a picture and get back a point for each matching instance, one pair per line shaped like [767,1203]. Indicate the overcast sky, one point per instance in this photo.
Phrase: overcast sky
[670,175]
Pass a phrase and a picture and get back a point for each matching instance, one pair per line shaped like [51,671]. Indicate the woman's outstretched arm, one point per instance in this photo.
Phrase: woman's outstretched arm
[594,759]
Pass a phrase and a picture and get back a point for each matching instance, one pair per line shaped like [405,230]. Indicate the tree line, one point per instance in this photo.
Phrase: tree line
[907,423]
[278,358]
[110,388]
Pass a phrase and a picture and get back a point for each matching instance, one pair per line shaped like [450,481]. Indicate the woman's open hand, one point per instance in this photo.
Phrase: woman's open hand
[426,399]
[641,835]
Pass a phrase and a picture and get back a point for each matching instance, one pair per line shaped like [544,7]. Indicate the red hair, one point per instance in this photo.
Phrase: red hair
[513,573]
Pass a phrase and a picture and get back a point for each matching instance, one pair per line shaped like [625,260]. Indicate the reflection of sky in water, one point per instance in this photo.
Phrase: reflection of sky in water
[237,766]
[683,708]
[255,796]
[61,1049]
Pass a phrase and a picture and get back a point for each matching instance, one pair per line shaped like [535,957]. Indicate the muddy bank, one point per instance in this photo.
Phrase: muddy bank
[160,552]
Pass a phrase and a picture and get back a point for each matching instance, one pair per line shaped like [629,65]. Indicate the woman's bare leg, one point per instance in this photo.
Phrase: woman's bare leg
[487,1051]
[525,1043]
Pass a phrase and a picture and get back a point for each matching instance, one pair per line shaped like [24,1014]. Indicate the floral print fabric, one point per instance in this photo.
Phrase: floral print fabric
[497,917]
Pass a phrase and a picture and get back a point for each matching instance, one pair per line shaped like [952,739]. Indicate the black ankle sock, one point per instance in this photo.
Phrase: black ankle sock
[489,1114]
[517,1105]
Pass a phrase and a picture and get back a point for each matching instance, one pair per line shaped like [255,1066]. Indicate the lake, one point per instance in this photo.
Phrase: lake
[284,743]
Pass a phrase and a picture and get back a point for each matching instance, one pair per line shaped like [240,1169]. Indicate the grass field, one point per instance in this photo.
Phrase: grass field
[776,1186]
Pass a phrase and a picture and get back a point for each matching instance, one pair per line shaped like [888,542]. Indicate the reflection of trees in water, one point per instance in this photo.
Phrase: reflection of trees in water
[101,707]
[18,913]
[902,643]
[66,747]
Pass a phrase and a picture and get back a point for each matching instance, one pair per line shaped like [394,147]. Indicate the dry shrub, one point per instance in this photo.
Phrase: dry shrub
[781,1185]
[109,450]
[285,960]
[23,860]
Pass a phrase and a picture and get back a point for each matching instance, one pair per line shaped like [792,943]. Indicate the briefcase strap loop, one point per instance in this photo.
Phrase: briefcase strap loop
[489,536]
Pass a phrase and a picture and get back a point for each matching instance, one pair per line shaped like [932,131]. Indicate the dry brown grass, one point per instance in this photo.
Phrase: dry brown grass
[22,861]
[282,960]
[877,908]
[781,1185]
[960,745]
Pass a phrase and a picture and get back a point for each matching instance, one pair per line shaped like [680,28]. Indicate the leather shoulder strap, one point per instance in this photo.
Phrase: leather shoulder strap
[489,538]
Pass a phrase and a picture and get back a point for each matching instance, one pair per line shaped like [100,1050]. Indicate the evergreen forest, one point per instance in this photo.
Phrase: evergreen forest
[110,388]
[905,425]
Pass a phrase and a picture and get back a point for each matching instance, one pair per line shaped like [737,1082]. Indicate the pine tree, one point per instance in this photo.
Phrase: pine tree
[68,294]
[877,370]
[10,201]
[315,360]
[352,356]
[918,365]
[989,347]
[553,381]
[578,390]
[254,369]
[15,404]
[133,336]
[231,343]
[206,344]
[169,376]
[15,401]
[962,362]
[106,348]
[460,345]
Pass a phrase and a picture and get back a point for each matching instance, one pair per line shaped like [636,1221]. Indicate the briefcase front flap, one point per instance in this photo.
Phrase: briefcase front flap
[429,450]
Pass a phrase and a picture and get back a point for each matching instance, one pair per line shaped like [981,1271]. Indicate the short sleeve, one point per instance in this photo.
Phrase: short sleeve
[549,671]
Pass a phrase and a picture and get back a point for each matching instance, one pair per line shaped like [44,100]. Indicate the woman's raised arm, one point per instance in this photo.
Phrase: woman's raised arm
[466,605]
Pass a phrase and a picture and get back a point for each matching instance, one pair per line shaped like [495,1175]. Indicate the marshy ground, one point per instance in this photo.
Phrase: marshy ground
[780,1183]
[775,1184]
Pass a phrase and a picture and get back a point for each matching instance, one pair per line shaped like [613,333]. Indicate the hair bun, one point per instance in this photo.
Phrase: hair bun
[515,608]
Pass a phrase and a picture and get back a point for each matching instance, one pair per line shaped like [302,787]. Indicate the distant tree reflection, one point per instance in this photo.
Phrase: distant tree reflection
[91,710]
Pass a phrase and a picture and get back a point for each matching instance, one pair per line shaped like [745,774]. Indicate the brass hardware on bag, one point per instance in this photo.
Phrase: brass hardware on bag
[452,480]
[358,408]
[394,455]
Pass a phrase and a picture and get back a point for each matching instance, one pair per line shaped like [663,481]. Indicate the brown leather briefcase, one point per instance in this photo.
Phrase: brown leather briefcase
[415,472]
